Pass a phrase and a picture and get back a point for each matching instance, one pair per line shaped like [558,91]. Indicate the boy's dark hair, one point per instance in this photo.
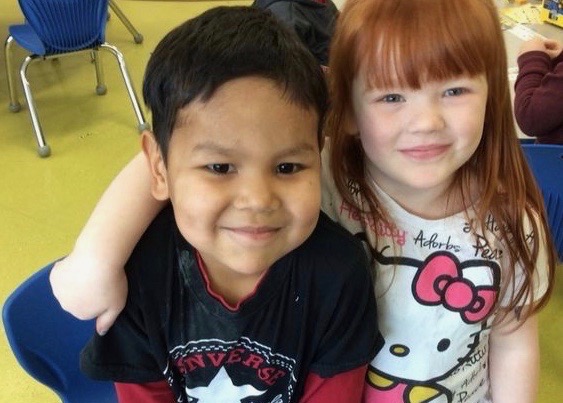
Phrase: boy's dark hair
[222,44]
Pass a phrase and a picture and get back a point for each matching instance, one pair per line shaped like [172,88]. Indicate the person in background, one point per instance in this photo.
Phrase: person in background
[422,162]
[538,91]
[312,20]
[232,294]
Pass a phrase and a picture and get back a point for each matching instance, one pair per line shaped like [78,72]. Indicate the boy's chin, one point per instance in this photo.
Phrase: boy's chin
[251,267]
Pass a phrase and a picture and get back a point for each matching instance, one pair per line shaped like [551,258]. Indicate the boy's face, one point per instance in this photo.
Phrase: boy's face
[243,176]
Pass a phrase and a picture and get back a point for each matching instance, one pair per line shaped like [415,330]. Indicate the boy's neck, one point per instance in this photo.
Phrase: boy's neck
[230,288]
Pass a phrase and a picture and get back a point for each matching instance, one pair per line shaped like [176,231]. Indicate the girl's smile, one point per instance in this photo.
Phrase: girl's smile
[425,153]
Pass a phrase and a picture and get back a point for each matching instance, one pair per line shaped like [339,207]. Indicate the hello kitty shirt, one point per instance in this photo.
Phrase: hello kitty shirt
[436,284]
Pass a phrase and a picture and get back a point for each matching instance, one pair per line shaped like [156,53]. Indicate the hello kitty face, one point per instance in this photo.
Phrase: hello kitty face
[431,313]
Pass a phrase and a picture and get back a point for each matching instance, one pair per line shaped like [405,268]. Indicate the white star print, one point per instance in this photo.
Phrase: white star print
[222,390]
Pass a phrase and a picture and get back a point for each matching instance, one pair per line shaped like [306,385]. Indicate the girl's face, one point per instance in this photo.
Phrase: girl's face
[415,140]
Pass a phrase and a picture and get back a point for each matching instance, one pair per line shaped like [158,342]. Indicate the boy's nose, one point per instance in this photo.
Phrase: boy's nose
[257,193]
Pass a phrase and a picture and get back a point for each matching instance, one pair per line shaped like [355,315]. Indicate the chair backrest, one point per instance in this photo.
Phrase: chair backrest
[67,25]
[47,341]
[546,162]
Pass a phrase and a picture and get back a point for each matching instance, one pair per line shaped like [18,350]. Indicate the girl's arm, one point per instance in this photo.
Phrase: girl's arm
[514,361]
[90,282]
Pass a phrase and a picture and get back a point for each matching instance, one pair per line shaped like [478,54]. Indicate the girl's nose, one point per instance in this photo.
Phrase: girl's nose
[426,118]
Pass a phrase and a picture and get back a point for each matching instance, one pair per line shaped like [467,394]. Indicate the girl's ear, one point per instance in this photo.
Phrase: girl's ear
[350,126]
[157,167]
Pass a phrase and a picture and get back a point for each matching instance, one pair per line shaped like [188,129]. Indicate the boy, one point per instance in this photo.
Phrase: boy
[239,290]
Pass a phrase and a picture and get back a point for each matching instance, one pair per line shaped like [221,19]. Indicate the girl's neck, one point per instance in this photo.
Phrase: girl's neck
[432,203]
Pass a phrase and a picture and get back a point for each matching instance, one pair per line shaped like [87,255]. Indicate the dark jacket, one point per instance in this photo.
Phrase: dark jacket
[313,21]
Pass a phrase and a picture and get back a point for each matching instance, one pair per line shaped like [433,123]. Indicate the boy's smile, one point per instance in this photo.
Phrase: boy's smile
[243,175]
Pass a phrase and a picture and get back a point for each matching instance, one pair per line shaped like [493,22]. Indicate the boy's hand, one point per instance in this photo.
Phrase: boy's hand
[87,292]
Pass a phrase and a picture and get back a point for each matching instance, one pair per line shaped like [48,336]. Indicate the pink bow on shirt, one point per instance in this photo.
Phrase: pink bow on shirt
[441,281]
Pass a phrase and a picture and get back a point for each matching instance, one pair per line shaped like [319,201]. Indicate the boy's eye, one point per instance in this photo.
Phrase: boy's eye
[452,92]
[391,98]
[287,168]
[220,168]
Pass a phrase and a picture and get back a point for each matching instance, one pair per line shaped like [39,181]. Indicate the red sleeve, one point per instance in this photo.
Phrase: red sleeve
[151,392]
[538,93]
[346,387]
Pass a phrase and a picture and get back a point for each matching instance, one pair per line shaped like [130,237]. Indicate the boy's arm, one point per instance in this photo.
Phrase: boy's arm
[350,336]
[90,282]
[514,361]
[346,387]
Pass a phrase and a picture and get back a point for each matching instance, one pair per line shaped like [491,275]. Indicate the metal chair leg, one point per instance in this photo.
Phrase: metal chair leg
[15,105]
[42,148]
[137,37]
[143,125]
[101,88]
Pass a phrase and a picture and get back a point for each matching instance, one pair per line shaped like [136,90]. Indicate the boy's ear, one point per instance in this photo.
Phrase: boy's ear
[159,181]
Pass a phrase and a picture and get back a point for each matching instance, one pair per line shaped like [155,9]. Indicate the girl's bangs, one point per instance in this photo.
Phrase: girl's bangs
[397,51]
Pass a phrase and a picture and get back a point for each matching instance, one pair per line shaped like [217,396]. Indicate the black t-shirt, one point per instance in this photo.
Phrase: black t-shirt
[314,311]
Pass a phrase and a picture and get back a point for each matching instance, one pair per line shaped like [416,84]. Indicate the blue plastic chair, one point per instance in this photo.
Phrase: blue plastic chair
[54,28]
[546,162]
[47,341]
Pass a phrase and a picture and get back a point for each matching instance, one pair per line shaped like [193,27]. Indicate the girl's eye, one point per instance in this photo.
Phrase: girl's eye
[288,168]
[220,169]
[452,92]
[392,98]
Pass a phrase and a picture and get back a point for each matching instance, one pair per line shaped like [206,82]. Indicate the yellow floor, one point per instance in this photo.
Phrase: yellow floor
[44,202]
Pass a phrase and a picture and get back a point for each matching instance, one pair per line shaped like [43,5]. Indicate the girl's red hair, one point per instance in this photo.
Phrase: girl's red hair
[405,43]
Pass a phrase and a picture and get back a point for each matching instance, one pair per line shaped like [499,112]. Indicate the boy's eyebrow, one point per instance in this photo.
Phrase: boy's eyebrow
[302,148]
[211,146]
[214,147]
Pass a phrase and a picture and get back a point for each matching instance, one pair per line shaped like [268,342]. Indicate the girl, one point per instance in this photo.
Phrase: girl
[427,166]
[424,164]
